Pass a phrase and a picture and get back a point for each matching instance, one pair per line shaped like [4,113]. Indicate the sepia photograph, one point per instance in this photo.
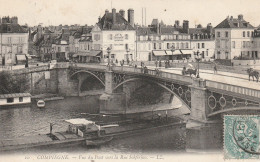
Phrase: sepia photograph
[129,80]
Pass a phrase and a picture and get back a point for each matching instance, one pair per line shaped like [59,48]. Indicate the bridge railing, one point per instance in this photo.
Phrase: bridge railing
[233,88]
[161,74]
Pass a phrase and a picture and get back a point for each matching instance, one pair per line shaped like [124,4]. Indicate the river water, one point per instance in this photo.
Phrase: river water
[17,122]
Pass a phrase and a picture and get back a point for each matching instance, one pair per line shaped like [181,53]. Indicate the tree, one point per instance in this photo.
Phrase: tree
[10,83]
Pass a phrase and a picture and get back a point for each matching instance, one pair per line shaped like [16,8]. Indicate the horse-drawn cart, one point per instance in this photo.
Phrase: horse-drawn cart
[189,69]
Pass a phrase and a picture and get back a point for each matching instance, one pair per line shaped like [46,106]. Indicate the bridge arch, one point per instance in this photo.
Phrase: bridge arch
[89,72]
[157,83]
[253,108]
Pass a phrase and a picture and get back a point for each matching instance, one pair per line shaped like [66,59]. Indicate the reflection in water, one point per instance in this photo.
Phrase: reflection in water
[16,122]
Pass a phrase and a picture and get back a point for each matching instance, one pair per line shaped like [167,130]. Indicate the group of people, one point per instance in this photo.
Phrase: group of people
[159,63]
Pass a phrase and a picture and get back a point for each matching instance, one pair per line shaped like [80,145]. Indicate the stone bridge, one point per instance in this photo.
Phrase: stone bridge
[205,98]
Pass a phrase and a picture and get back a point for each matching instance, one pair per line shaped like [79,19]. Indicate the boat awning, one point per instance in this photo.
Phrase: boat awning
[187,52]
[79,121]
[176,52]
[13,95]
[159,53]
[21,57]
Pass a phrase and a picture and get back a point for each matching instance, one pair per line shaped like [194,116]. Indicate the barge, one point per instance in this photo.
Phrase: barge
[85,132]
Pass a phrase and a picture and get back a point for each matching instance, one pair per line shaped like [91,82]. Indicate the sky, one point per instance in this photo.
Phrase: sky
[55,12]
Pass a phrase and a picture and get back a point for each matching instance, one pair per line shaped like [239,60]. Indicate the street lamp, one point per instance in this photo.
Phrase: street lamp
[198,60]
[172,49]
[108,52]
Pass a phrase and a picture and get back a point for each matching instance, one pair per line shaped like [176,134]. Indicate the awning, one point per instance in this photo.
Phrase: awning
[79,121]
[75,55]
[89,53]
[159,53]
[187,52]
[176,52]
[21,57]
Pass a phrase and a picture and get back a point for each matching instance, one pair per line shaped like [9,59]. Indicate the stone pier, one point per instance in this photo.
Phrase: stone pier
[110,102]
[201,133]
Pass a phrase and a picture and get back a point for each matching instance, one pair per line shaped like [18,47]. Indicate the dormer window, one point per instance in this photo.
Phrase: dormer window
[236,24]
[245,24]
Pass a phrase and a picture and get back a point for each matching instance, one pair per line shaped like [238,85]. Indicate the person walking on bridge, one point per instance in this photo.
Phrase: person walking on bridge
[215,68]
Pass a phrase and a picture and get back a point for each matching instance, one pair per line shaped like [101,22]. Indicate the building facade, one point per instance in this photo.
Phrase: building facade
[13,41]
[115,32]
[235,39]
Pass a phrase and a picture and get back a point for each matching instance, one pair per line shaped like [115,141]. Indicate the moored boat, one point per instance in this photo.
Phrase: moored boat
[99,141]
[15,100]
[41,103]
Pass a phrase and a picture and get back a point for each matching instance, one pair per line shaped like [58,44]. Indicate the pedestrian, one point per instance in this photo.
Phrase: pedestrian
[160,63]
[156,63]
[116,61]
[123,61]
[128,61]
[165,64]
[215,69]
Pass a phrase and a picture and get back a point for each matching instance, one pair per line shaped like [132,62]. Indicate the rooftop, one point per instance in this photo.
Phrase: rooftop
[11,28]
[106,23]
[231,22]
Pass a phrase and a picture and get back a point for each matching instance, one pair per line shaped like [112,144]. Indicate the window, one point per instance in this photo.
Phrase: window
[244,44]
[187,45]
[126,46]
[20,49]
[218,43]
[59,49]
[244,34]
[112,56]
[177,45]
[218,55]
[96,37]
[96,46]
[202,45]
[248,34]
[67,49]
[173,45]
[233,44]
[20,99]
[126,36]
[10,100]
[198,45]
[9,40]
[168,45]
[218,34]
[226,54]
[160,45]
[226,33]
[154,45]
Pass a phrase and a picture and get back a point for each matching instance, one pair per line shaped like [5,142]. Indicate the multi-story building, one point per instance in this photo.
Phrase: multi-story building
[13,42]
[161,42]
[203,41]
[114,31]
[235,39]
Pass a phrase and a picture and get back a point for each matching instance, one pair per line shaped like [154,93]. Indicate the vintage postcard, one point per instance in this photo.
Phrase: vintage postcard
[129,80]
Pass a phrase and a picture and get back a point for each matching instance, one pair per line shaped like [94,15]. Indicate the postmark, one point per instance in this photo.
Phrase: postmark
[241,137]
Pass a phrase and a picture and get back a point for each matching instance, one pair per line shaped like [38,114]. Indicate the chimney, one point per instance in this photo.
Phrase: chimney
[240,17]
[209,28]
[99,18]
[131,17]
[14,20]
[177,23]
[158,28]
[106,12]
[185,26]
[114,16]
[122,13]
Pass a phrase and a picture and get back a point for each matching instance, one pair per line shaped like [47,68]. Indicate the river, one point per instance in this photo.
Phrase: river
[17,122]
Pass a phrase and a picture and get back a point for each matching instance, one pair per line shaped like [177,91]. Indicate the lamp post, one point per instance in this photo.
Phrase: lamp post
[198,60]
[172,49]
[108,52]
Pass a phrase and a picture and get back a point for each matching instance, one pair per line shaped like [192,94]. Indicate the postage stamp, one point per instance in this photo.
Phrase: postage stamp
[241,137]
